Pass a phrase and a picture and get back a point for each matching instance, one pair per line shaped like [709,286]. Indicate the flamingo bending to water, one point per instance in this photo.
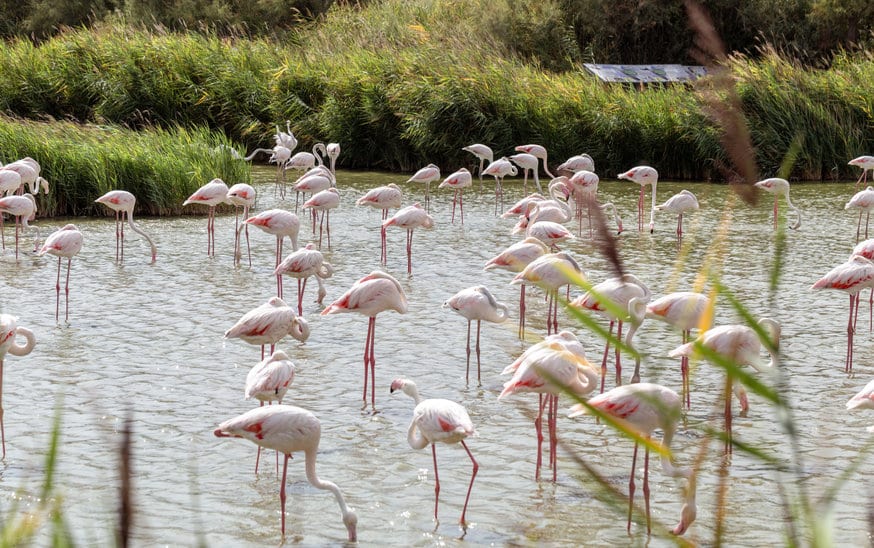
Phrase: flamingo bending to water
[425,175]
[9,330]
[476,303]
[550,272]
[484,154]
[458,181]
[268,381]
[410,218]
[123,202]
[780,187]
[643,175]
[864,162]
[303,263]
[680,203]
[269,324]
[22,208]
[384,198]
[211,194]
[515,258]
[241,195]
[864,202]
[64,244]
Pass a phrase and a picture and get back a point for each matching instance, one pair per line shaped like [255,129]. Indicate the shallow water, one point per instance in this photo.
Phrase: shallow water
[146,339]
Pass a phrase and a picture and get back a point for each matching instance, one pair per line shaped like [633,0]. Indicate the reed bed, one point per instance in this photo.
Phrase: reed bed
[161,167]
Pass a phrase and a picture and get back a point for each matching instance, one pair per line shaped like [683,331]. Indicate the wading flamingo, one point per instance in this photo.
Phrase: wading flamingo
[9,330]
[303,263]
[384,198]
[410,218]
[313,181]
[864,399]
[476,303]
[780,187]
[550,272]
[864,162]
[515,258]
[527,162]
[425,175]
[322,203]
[484,153]
[584,190]
[241,195]
[123,202]
[499,169]
[643,175]
[64,244]
[577,163]
[438,420]
[22,208]
[279,155]
[268,381]
[549,232]
[211,194]
[29,170]
[269,324]
[9,183]
[288,429]
[280,223]
[556,365]
[333,152]
[458,181]
[683,202]
[852,277]
[369,296]
[864,202]
[537,151]
[645,407]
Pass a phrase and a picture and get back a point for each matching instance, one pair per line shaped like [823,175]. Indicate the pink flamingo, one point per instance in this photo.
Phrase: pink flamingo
[539,152]
[550,272]
[864,162]
[280,223]
[686,311]
[864,399]
[682,202]
[584,190]
[324,202]
[499,169]
[520,207]
[549,232]
[288,429]
[864,202]
[64,243]
[515,258]
[476,303]
[303,263]
[643,175]
[484,154]
[269,324]
[9,183]
[438,420]
[626,294]
[425,175]
[458,181]
[123,202]
[410,218]
[643,408]
[558,364]
[313,181]
[211,194]
[369,296]
[384,198]
[9,330]
[527,162]
[241,195]
[333,152]
[555,210]
[29,170]
[741,345]
[853,277]
[865,248]
[577,163]
[268,381]
[279,155]
[22,208]
[780,187]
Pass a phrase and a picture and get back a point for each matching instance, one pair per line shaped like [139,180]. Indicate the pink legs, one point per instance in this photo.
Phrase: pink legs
[851,329]
[640,210]
[325,219]
[210,233]
[522,312]
[278,260]
[66,291]
[301,287]
[551,312]
[459,198]
[607,353]
[684,372]
[282,492]
[237,233]
[370,363]
[409,251]
[437,480]
[2,430]
[550,402]
[383,257]
[631,487]
[467,372]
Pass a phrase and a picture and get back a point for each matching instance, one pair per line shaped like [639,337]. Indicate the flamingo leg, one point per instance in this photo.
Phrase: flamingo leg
[640,211]
[383,254]
[236,233]
[538,427]
[117,235]
[278,258]
[859,226]
[775,212]
[646,489]
[58,292]
[2,235]
[472,477]
[258,454]
[522,312]
[428,196]
[282,492]
[67,289]
[246,230]
[373,365]
[409,251]
[454,200]
[606,353]
[321,229]
[851,329]
[478,325]
[467,371]
[631,488]
[867,218]
[554,436]
[2,430]
[618,355]
[328,227]
[367,357]
[680,226]
[300,288]
[436,481]
[727,393]
[684,371]
[461,204]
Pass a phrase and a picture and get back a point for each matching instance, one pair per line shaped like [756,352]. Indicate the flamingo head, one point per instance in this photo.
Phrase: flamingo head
[642,175]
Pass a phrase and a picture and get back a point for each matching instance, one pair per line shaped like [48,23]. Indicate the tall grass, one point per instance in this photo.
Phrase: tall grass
[160,167]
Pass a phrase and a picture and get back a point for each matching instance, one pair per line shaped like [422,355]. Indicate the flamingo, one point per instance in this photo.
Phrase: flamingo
[211,194]
[584,190]
[324,202]
[515,258]
[303,263]
[550,272]
[645,407]
[280,223]
[686,311]
[369,296]
[740,345]
[20,207]
[780,187]
[548,368]
[313,181]
[549,232]
[853,277]
[538,152]
[241,195]
[123,202]
[643,175]
[683,202]
[64,243]
[577,163]
[285,138]
[410,218]
[527,162]
[864,162]
[9,183]
[555,210]
[288,429]
[865,248]
[520,207]
[499,169]
[458,181]
[384,198]
[279,155]
[9,330]
[484,153]
[29,169]
[425,175]
[626,293]
[307,160]
[864,399]
[476,303]
[268,380]
[333,152]
[864,202]
[269,324]
[438,420]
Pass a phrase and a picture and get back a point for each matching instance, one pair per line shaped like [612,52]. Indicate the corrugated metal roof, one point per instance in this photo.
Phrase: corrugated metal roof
[646,74]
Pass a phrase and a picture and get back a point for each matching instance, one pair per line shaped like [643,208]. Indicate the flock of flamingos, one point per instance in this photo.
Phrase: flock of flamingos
[556,364]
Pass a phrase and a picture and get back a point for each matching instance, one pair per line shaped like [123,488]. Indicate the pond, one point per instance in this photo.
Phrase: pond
[146,340]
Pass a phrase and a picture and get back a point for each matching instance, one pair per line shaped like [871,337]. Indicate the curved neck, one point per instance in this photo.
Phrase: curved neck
[141,232]
[668,467]
[318,483]
[794,210]
[30,342]
[653,208]
[546,168]
[319,152]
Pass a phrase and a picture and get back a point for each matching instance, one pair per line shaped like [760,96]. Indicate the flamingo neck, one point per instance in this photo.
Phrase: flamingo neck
[653,208]
[22,349]
[141,232]
[349,517]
